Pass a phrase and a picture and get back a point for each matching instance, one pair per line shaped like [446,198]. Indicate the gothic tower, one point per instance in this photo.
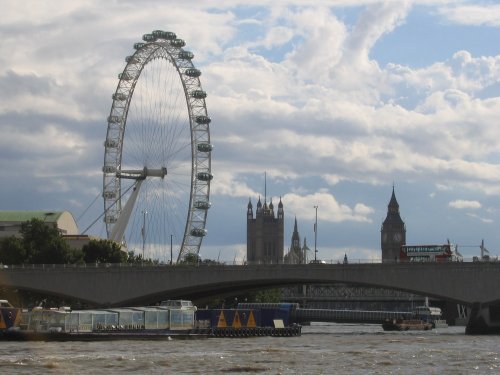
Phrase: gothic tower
[393,233]
[305,249]
[265,233]
[296,253]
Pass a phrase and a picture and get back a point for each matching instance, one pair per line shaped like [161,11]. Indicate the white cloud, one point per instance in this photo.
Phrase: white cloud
[464,204]
[276,36]
[482,219]
[309,59]
[227,184]
[329,209]
[488,15]
[346,126]
[332,179]
[365,33]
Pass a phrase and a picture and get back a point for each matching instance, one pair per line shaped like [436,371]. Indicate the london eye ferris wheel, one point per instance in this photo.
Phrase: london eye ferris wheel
[157,159]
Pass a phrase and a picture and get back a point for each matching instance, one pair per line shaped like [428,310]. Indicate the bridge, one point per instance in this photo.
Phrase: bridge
[122,284]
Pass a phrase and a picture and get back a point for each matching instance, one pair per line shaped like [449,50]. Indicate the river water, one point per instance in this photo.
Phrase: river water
[322,349]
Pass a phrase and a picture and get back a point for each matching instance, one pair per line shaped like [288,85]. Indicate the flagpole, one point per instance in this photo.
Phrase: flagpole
[315,234]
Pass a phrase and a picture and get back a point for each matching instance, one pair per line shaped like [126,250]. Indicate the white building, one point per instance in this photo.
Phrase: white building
[11,221]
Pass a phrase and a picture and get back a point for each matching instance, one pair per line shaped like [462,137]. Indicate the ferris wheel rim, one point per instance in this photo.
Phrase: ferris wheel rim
[163,45]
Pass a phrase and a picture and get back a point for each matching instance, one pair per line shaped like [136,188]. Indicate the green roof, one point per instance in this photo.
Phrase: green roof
[23,216]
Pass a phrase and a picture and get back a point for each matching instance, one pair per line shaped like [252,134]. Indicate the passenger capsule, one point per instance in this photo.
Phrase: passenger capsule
[131,59]
[186,55]
[205,147]
[160,34]
[203,120]
[111,143]
[204,176]
[198,232]
[109,195]
[139,45]
[177,43]
[110,219]
[126,76]
[198,94]
[192,72]
[115,119]
[109,169]
[202,205]
[149,38]
[119,96]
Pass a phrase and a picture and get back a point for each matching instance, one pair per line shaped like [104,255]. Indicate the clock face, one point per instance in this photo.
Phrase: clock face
[397,237]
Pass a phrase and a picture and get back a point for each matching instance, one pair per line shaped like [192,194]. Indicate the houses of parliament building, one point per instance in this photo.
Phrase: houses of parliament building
[265,235]
[265,242]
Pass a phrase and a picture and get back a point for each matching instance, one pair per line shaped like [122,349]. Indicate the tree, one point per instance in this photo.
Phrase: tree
[137,259]
[268,296]
[44,244]
[103,251]
[191,259]
[75,256]
[132,258]
[211,262]
[12,251]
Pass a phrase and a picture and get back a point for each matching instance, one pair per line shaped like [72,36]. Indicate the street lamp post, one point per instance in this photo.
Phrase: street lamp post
[315,233]
[170,249]
[143,232]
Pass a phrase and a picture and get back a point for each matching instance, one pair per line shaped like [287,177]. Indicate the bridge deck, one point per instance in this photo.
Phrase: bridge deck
[115,285]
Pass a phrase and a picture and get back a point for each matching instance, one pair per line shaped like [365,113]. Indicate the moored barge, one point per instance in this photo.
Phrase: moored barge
[173,319]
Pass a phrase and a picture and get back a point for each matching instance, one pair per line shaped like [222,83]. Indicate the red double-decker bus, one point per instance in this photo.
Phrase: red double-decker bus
[430,253]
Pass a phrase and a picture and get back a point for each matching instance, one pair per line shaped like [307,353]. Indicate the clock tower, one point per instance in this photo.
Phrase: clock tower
[393,233]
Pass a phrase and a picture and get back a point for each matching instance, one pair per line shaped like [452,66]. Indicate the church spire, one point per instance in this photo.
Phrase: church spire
[393,206]
[296,253]
[249,209]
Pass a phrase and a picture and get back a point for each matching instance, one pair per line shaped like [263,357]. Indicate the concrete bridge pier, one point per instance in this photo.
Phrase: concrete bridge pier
[484,319]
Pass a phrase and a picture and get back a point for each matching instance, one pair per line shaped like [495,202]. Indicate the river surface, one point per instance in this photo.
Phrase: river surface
[322,349]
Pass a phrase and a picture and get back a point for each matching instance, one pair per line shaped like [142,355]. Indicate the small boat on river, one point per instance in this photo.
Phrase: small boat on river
[406,325]
[422,318]
[430,314]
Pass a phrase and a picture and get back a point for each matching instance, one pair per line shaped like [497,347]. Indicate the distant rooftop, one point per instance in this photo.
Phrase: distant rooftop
[64,220]
[23,216]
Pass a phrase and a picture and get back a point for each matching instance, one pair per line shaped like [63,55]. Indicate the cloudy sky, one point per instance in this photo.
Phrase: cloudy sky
[335,100]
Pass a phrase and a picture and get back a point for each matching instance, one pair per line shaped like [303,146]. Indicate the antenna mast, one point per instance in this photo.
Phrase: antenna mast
[265,187]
